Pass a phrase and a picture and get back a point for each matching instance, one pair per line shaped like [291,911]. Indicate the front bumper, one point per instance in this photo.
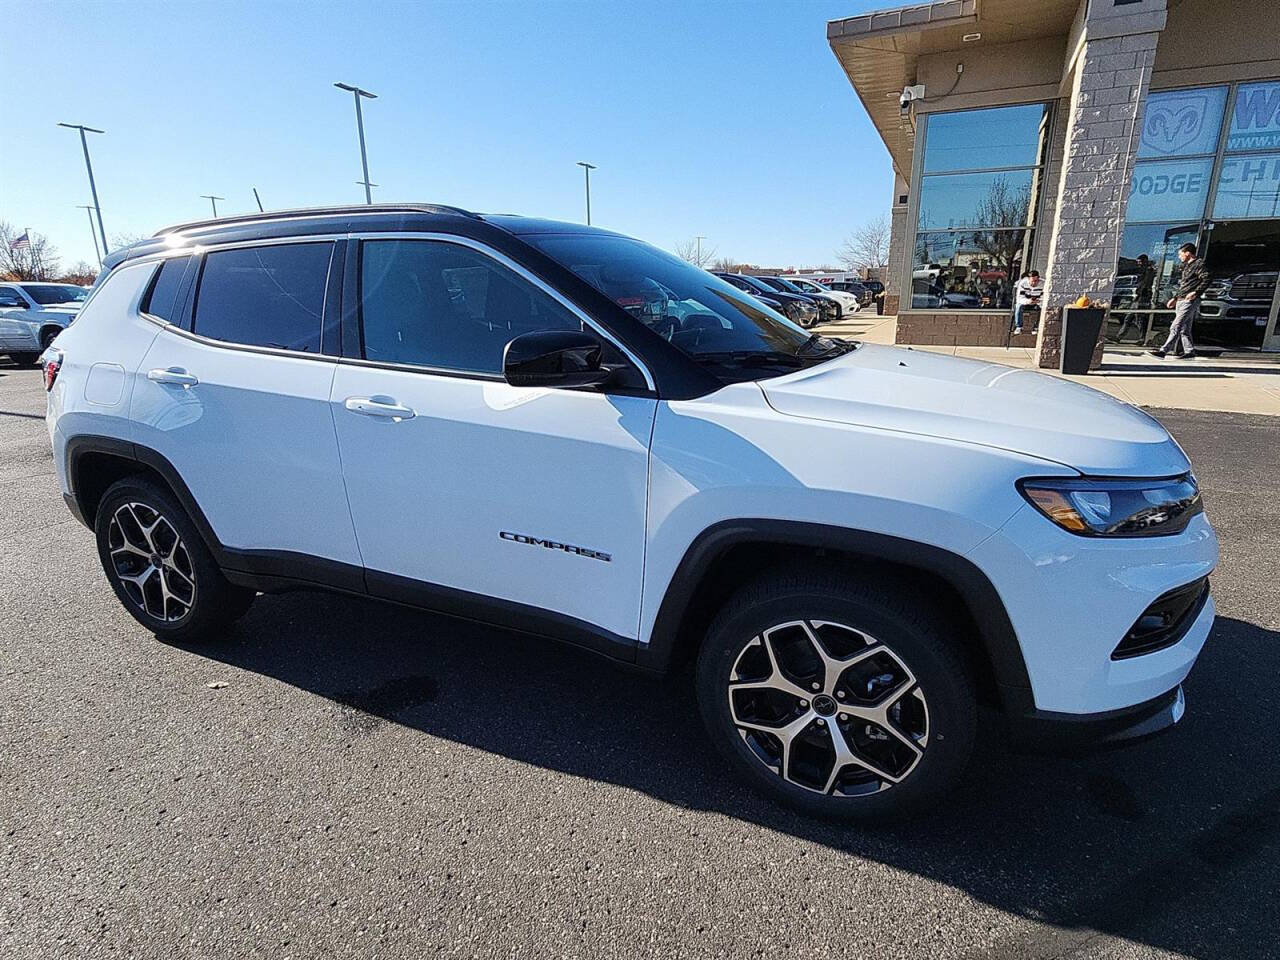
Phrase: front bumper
[1071,600]
[1044,730]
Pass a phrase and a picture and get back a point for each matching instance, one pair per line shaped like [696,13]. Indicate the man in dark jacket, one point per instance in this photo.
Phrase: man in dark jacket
[1186,304]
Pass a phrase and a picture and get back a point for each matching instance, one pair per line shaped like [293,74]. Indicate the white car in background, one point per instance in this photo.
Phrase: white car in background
[848,302]
[32,314]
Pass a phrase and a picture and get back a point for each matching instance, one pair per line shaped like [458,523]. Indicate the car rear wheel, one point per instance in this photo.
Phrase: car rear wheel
[47,338]
[839,698]
[159,567]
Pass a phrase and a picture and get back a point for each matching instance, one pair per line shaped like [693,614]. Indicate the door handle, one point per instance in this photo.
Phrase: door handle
[379,407]
[172,375]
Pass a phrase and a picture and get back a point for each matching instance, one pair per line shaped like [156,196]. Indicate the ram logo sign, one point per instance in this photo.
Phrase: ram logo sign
[1173,123]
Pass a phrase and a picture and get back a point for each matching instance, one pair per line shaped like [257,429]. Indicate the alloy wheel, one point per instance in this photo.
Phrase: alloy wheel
[151,562]
[828,708]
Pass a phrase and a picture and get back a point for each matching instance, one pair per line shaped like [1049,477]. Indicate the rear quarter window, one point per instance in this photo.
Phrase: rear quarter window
[161,300]
[269,296]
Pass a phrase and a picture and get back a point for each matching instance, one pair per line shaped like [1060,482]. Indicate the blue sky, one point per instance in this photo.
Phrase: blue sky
[731,120]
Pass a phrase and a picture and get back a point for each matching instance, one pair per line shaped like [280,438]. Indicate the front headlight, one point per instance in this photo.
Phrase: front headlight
[1093,507]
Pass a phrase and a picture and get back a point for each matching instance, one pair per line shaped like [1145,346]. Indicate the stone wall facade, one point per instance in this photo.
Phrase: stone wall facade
[1108,87]
[961,329]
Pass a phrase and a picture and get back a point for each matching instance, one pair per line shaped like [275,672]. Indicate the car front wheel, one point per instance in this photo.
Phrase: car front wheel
[839,698]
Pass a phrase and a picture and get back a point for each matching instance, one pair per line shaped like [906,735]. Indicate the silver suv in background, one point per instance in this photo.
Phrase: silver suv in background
[32,314]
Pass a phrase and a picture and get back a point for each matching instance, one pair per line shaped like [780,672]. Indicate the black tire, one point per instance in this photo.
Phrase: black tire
[908,640]
[161,601]
[47,338]
[25,359]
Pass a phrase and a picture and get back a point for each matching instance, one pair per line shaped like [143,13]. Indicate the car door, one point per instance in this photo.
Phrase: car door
[13,305]
[471,495]
[238,404]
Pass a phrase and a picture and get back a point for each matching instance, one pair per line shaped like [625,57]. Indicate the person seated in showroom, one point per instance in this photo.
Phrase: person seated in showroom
[1186,303]
[1026,294]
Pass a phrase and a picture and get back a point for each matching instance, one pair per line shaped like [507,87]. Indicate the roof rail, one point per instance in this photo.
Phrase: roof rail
[350,210]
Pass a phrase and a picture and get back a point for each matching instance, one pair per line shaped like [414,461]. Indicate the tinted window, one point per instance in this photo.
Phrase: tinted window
[10,298]
[270,296]
[161,300]
[443,305]
[47,294]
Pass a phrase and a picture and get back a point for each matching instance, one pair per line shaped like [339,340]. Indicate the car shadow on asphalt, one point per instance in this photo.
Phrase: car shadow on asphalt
[1140,842]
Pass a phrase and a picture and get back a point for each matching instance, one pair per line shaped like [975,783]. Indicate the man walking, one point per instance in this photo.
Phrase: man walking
[1027,294]
[1186,304]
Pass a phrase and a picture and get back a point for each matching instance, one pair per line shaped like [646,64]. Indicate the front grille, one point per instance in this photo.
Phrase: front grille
[1165,622]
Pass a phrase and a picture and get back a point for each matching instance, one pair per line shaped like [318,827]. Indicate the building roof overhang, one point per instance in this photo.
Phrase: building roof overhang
[878,51]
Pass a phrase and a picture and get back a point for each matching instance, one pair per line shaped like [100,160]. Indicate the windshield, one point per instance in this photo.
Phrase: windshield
[50,293]
[695,311]
[811,286]
[785,284]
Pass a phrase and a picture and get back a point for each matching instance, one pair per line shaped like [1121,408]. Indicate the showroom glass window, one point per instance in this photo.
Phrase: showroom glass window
[1168,192]
[979,187]
[1249,181]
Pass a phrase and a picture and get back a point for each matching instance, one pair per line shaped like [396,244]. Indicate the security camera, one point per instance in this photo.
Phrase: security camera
[915,92]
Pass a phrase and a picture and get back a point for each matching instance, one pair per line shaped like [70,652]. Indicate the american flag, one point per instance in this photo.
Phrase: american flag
[18,243]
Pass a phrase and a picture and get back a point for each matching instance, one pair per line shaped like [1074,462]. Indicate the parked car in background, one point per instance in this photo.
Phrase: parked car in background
[829,310]
[849,303]
[1235,308]
[795,307]
[32,314]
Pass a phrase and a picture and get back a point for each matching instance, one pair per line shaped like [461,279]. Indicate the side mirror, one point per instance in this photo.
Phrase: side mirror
[554,358]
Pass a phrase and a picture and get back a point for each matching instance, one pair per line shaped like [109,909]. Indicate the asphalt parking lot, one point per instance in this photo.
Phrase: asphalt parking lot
[344,778]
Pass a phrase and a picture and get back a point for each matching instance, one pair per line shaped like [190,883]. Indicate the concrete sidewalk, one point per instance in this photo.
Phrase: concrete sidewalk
[1234,386]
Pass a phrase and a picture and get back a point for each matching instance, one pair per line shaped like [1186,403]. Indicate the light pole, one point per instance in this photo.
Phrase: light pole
[699,253]
[364,156]
[88,209]
[258,199]
[84,142]
[213,201]
[586,169]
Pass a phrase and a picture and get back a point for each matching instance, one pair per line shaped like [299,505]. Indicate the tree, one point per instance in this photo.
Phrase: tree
[81,273]
[867,247]
[724,265]
[700,255]
[35,260]
[1003,206]
[125,239]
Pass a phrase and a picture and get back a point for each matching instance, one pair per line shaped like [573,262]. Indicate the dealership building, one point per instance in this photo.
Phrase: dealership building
[1085,139]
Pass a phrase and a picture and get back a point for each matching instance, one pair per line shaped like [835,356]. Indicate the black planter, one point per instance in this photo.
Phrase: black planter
[1080,329]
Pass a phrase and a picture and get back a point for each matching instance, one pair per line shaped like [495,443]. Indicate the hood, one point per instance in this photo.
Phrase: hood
[1032,413]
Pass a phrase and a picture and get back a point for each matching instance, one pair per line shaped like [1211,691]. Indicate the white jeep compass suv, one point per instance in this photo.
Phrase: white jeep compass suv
[568,432]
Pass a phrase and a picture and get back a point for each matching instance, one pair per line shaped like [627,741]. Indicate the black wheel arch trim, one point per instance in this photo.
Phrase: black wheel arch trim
[996,633]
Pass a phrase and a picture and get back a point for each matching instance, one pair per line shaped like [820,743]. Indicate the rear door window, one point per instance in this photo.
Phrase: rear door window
[268,296]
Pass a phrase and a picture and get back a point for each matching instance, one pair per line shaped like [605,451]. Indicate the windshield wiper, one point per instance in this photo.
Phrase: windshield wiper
[750,358]
[830,346]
